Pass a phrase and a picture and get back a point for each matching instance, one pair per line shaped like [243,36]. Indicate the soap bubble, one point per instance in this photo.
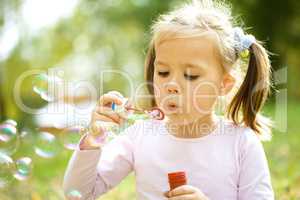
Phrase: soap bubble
[46,146]
[6,168]
[7,132]
[24,134]
[111,129]
[107,132]
[108,126]
[9,140]
[46,86]
[23,168]
[11,122]
[74,195]
[40,84]
[71,136]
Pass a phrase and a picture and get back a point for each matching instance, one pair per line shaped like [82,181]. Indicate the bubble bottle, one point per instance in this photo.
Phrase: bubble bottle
[177,179]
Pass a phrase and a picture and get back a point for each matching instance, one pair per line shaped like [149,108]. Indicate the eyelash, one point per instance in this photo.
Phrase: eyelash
[188,77]
[163,74]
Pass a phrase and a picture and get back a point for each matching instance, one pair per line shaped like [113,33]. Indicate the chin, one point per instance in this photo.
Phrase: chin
[178,119]
[183,119]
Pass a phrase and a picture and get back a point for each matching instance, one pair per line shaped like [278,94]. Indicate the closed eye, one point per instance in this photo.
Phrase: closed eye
[190,77]
[163,74]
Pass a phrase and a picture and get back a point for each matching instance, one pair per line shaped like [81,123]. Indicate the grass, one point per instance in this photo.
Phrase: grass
[125,190]
[283,154]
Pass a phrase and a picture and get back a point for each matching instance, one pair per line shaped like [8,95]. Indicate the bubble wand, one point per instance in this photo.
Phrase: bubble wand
[131,115]
[126,112]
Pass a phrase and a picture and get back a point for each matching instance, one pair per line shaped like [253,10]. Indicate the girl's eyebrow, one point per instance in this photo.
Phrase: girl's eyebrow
[159,62]
[200,66]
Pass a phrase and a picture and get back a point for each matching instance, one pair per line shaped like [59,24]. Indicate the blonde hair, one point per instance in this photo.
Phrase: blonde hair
[201,16]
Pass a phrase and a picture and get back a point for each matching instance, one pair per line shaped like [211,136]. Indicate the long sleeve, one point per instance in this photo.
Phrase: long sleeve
[254,178]
[94,172]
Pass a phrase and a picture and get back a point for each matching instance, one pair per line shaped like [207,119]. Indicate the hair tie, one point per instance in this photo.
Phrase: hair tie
[242,41]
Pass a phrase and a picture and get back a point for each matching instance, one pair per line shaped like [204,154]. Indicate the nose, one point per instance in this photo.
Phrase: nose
[172,88]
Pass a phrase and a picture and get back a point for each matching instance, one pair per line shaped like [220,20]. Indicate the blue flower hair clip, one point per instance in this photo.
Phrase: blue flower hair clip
[243,42]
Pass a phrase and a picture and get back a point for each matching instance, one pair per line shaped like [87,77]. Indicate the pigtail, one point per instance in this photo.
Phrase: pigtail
[149,71]
[253,92]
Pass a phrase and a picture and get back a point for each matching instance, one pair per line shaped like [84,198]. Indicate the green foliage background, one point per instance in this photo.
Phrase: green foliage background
[113,34]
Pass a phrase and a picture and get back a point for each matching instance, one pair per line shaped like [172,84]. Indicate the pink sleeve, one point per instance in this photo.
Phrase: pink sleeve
[94,172]
[254,176]
[116,163]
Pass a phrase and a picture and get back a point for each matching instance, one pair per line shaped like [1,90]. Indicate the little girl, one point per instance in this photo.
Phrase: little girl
[192,62]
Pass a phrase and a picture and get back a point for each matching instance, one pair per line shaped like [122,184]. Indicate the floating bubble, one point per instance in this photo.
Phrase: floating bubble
[40,83]
[9,140]
[74,195]
[23,168]
[46,146]
[46,86]
[7,132]
[24,134]
[111,129]
[110,136]
[6,169]
[11,122]
[71,136]
[108,126]
[47,97]
[107,132]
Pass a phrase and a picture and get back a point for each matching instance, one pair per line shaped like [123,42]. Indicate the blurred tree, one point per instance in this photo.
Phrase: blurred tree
[113,34]
[2,111]
[6,7]
[277,23]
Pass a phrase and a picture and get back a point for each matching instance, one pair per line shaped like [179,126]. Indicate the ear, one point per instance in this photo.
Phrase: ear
[227,84]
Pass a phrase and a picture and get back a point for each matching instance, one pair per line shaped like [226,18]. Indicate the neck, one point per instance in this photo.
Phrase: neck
[197,128]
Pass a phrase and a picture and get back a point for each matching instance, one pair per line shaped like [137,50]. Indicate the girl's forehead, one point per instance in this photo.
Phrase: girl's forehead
[187,35]
[197,48]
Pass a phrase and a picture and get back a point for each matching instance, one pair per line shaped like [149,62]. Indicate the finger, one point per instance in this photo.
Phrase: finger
[125,101]
[117,93]
[166,194]
[108,112]
[181,190]
[107,99]
[100,124]
[128,103]
[183,197]
[96,130]
[100,117]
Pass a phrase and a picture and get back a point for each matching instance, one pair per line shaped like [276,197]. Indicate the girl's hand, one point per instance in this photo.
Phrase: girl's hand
[103,113]
[185,192]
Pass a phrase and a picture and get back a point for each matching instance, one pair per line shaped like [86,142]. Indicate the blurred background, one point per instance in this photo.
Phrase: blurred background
[53,55]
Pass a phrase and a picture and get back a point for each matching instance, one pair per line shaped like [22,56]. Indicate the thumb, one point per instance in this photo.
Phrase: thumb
[166,194]
[116,93]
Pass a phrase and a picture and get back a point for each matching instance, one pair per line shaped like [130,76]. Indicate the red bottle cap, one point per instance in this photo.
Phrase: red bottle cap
[177,179]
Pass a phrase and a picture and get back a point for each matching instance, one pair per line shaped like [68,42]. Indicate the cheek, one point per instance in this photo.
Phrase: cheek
[157,86]
[202,96]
